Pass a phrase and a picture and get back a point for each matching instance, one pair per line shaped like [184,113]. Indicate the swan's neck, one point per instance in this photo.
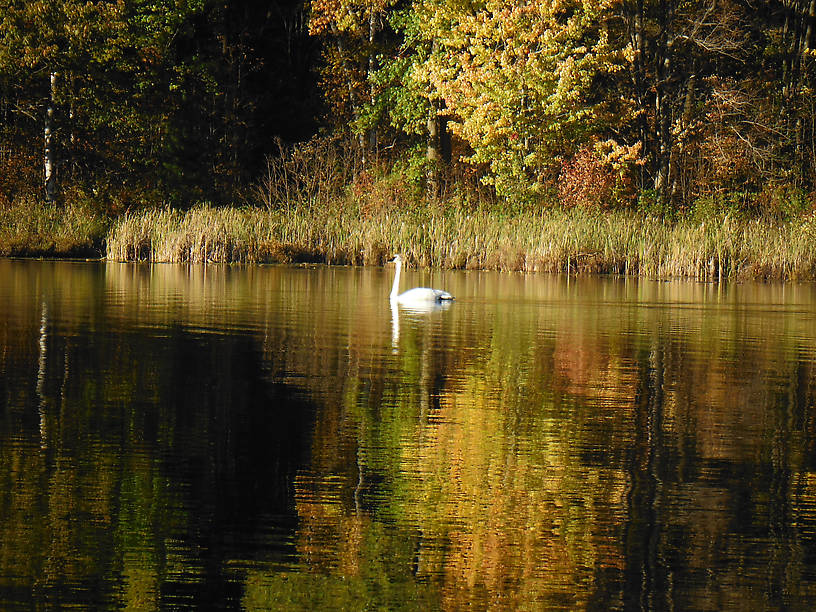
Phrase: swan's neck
[395,287]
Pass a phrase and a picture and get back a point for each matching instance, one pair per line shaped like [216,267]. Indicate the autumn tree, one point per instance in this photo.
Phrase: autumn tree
[682,96]
[722,92]
[47,46]
[352,30]
[407,102]
[515,81]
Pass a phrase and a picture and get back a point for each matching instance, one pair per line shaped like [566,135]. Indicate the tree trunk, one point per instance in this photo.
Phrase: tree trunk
[663,106]
[685,121]
[372,35]
[787,38]
[802,128]
[807,41]
[633,12]
[49,153]
[805,12]
[439,150]
[434,154]
[664,141]
[353,102]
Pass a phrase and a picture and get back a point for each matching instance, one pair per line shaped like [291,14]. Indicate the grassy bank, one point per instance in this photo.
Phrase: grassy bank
[552,240]
[31,228]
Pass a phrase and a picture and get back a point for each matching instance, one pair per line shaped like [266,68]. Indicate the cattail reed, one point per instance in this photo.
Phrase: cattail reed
[550,240]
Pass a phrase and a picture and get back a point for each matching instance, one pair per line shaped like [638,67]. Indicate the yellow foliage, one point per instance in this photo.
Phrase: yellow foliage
[515,77]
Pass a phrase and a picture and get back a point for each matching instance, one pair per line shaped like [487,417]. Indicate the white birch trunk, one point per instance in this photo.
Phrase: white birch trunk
[49,155]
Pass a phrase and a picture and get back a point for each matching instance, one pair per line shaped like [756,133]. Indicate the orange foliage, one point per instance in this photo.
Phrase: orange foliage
[585,181]
[599,175]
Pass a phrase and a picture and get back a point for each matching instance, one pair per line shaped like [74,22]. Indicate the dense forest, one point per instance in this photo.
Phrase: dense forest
[656,104]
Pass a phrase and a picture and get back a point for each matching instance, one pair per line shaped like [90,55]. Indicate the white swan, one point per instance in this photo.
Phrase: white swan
[418,295]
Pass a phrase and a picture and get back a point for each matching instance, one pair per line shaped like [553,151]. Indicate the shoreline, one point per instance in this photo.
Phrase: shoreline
[571,241]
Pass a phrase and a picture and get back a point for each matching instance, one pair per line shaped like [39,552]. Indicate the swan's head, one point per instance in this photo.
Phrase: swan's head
[397,259]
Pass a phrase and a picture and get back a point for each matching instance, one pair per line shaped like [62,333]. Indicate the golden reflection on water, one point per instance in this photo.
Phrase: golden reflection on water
[543,442]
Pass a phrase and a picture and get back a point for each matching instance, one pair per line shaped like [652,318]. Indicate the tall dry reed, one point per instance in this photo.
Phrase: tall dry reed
[552,240]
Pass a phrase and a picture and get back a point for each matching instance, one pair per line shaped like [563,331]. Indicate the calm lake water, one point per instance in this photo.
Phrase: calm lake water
[279,438]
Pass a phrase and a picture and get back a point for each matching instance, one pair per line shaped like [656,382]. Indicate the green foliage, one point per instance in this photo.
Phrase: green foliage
[402,94]
[413,165]
[401,97]
[784,203]
[719,206]
[650,203]
[116,73]
[774,203]
[174,99]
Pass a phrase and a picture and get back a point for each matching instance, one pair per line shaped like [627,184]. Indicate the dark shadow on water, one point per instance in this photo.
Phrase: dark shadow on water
[181,444]
[241,482]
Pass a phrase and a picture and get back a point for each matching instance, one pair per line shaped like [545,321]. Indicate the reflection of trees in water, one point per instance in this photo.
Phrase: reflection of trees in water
[156,457]
[621,452]
[713,472]
[572,462]
[466,470]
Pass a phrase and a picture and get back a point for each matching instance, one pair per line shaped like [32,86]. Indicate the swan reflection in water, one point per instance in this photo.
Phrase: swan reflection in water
[413,311]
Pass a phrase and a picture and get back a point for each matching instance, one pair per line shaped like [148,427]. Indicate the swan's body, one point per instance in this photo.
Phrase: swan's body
[418,295]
